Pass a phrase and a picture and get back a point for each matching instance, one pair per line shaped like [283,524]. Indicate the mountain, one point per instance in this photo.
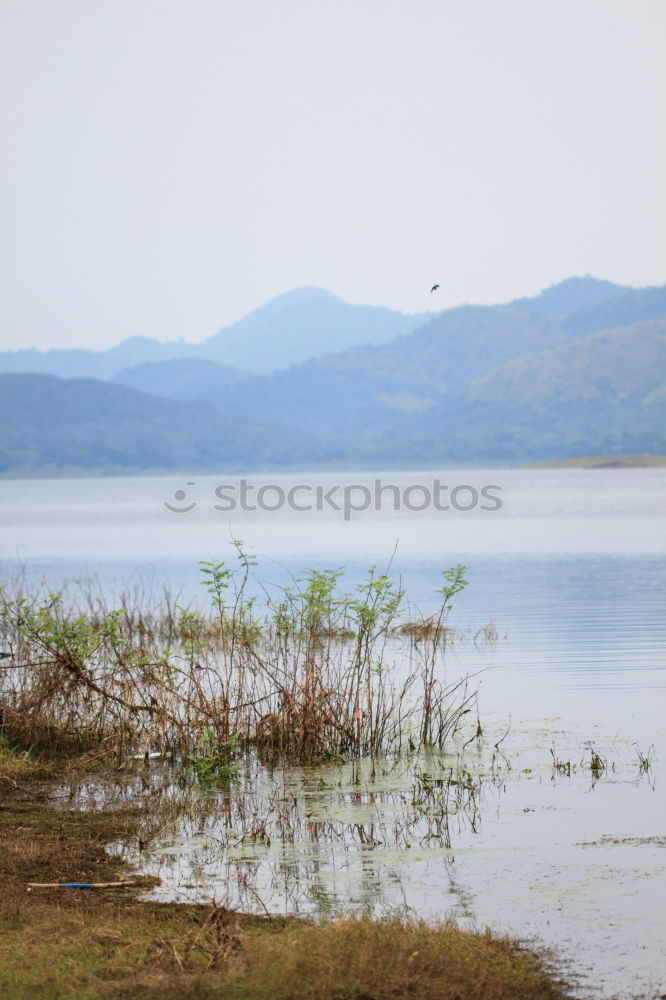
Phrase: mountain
[586,305]
[81,363]
[570,297]
[185,379]
[53,426]
[303,324]
[362,388]
[373,391]
[602,394]
[611,368]
[289,329]
[307,323]
[530,380]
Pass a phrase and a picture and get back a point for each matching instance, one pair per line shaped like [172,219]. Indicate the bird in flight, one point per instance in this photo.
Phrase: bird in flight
[434,289]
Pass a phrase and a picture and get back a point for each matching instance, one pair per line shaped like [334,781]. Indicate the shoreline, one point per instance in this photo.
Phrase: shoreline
[108,943]
[645,461]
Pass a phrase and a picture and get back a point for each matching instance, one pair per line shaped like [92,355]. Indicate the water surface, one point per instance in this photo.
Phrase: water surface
[570,571]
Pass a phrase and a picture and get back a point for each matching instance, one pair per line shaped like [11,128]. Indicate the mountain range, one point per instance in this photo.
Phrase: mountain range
[287,330]
[308,379]
[53,426]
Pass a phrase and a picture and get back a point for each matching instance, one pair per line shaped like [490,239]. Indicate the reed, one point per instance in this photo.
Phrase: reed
[312,673]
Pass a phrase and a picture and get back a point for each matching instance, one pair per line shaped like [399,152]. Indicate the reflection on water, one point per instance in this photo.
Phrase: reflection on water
[318,840]
[486,834]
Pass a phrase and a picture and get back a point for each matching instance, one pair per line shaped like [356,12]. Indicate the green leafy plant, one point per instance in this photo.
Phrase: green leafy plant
[215,758]
[314,678]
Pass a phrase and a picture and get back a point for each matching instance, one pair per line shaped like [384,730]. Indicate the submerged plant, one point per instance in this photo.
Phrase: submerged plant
[561,766]
[644,759]
[598,762]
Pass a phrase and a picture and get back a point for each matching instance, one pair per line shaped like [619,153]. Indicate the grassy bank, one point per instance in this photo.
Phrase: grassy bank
[59,944]
[605,462]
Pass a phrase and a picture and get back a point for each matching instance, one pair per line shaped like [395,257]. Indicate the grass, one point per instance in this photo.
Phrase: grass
[148,951]
[22,766]
[78,945]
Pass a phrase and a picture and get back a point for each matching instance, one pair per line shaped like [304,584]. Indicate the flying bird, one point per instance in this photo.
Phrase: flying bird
[434,289]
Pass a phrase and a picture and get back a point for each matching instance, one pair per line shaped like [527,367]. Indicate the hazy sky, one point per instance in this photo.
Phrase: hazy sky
[169,165]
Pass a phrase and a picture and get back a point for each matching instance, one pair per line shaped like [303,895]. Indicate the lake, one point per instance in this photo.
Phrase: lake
[570,572]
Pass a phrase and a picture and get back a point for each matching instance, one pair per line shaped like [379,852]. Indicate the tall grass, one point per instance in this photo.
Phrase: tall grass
[312,673]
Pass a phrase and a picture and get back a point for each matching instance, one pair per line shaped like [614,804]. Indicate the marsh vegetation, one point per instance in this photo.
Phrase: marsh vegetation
[309,673]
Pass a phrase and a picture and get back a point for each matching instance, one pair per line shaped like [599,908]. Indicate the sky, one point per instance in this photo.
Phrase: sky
[170,165]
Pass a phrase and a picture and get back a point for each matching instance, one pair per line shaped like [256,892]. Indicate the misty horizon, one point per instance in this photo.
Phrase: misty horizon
[311,291]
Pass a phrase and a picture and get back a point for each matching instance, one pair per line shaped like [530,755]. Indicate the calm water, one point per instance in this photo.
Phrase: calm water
[571,571]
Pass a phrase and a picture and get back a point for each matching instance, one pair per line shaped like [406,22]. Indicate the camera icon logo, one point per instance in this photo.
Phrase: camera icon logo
[181,495]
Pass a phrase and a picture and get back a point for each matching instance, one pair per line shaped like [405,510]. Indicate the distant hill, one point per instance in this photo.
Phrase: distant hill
[81,363]
[291,328]
[603,394]
[54,426]
[370,391]
[308,323]
[570,297]
[303,324]
[535,379]
[359,389]
[611,368]
[585,305]
[184,379]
